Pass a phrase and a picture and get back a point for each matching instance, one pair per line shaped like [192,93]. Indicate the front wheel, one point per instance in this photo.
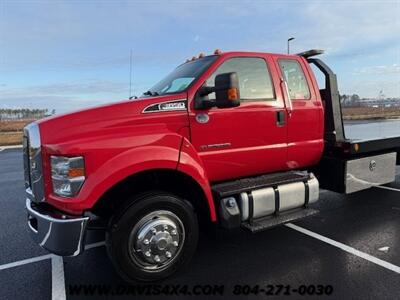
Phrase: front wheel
[152,237]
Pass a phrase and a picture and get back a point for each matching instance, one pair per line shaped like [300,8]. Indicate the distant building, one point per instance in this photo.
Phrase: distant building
[389,102]
[381,101]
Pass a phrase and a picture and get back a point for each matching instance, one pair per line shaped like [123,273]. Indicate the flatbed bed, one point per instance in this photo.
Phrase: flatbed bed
[352,148]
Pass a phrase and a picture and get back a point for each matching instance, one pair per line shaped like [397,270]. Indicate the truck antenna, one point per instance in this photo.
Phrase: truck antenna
[130,75]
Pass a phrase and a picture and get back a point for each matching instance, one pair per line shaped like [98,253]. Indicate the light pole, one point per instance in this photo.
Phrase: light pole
[288,42]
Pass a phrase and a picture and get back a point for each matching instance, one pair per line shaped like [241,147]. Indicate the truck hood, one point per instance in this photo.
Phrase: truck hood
[125,116]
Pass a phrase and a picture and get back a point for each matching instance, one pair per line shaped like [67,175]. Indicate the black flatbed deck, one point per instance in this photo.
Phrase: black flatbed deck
[350,148]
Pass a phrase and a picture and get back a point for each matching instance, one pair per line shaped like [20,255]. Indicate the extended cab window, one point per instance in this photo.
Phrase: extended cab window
[254,79]
[295,79]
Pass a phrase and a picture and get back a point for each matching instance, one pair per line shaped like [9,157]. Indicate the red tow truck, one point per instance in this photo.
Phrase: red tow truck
[238,139]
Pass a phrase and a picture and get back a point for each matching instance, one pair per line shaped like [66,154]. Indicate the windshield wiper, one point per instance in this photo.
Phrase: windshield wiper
[150,93]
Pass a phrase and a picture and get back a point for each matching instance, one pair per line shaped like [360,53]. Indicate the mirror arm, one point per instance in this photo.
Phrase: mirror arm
[226,93]
[204,103]
[201,103]
[208,103]
[206,90]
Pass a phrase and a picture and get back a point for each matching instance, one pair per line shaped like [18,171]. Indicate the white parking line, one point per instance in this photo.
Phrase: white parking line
[25,261]
[42,257]
[95,245]
[387,188]
[57,278]
[346,248]
[10,147]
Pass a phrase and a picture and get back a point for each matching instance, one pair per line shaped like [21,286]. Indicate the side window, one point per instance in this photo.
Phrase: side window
[254,79]
[295,79]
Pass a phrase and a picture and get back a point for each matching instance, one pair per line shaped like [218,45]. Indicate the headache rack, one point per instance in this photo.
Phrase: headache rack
[338,149]
[310,53]
[336,143]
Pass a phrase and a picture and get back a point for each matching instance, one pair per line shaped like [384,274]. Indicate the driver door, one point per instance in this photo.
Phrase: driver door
[246,140]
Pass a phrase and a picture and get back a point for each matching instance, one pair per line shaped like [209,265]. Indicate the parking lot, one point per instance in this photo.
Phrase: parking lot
[352,244]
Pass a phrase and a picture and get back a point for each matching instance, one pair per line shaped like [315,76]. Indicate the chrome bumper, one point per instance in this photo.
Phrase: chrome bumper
[56,232]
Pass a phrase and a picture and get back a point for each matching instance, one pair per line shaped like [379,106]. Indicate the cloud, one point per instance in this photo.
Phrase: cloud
[69,88]
[46,41]
[378,70]
[58,102]
[64,96]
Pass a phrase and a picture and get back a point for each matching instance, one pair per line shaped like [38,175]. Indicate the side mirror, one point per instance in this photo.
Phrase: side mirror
[227,92]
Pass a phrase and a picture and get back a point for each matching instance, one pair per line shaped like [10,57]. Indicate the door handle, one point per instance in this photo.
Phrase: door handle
[280,118]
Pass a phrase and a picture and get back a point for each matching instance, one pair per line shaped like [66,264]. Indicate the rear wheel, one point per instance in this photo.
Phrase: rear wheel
[152,237]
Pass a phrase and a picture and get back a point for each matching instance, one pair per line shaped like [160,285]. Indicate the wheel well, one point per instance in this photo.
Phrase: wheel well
[171,181]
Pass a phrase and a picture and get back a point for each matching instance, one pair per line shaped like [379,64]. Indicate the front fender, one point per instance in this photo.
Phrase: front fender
[169,151]
[106,170]
[191,164]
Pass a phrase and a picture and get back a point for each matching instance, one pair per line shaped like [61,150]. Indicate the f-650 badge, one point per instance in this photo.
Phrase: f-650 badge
[166,106]
[172,106]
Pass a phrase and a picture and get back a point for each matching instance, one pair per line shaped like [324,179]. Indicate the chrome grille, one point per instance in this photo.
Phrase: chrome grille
[33,167]
[27,175]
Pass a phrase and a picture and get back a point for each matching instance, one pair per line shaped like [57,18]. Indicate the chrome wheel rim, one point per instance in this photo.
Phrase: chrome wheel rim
[156,240]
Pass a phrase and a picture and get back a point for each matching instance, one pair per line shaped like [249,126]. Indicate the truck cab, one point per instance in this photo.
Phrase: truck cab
[235,139]
[279,117]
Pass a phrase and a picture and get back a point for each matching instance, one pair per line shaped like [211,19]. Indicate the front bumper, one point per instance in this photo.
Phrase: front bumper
[58,233]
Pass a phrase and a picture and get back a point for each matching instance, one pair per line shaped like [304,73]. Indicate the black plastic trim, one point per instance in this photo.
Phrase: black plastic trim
[306,194]
[230,188]
[277,201]
[251,207]
[272,221]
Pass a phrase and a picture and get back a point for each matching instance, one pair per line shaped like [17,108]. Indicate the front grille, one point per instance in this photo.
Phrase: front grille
[25,151]
[33,167]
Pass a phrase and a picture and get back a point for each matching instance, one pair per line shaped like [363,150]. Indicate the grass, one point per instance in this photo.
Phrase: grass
[14,125]
[12,138]
[370,113]
[11,132]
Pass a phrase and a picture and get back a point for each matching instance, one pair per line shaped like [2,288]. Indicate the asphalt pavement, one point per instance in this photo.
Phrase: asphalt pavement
[350,249]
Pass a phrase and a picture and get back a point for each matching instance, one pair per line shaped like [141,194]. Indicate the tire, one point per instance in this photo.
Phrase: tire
[152,237]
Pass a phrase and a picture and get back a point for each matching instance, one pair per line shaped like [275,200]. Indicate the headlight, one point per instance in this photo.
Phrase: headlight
[67,174]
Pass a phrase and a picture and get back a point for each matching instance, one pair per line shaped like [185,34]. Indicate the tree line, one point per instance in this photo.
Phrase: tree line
[350,100]
[24,113]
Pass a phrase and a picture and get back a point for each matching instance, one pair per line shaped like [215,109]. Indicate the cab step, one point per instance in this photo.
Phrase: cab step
[226,189]
[265,223]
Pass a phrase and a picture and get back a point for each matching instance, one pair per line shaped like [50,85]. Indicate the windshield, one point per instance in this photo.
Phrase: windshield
[180,78]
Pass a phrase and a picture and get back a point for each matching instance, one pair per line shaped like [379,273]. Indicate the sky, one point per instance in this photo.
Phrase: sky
[67,55]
